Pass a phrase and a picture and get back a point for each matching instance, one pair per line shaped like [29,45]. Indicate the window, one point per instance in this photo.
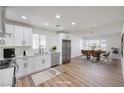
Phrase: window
[43,41]
[35,41]
[103,44]
[81,44]
[39,40]
[95,44]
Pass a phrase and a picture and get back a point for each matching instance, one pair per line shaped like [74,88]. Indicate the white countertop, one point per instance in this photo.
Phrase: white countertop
[29,55]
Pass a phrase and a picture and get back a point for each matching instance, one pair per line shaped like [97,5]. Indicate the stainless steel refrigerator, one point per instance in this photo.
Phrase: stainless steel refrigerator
[66,51]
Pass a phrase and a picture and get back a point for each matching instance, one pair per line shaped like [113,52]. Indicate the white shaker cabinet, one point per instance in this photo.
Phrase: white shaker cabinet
[28,64]
[9,28]
[46,61]
[18,35]
[66,36]
[27,36]
[21,70]
[31,64]
[38,63]
[9,40]
[42,62]
[22,36]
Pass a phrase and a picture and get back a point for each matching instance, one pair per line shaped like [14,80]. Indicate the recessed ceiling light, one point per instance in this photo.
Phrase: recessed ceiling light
[46,24]
[24,17]
[58,16]
[73,23]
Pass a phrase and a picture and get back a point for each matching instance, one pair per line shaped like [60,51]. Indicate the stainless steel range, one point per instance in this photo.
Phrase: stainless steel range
[8,68]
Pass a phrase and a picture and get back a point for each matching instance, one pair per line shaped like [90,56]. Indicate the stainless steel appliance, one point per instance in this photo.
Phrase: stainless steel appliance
[66,51]
[8,53]
[55,58]
[8,69]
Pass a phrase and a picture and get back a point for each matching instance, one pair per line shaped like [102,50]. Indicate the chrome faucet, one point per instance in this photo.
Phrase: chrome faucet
[41,49]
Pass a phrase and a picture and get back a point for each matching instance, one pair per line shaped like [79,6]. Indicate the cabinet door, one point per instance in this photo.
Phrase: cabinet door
[21,70]
[27,36]
[29,66]
[18,35]
[9,28]
[38,63]
[46,61]
[9,40]
[1,41]
[6,77]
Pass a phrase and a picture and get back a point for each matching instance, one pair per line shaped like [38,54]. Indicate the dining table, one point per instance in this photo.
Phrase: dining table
[97,52]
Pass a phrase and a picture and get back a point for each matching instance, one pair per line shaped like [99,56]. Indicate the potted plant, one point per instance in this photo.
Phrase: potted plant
[54,48]
[115,50]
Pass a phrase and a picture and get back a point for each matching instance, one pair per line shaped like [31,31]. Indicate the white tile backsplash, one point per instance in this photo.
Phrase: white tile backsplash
[18,51]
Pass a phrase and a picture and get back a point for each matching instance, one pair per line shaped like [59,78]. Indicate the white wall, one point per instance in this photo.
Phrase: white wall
[75,46]
[112,40]
[51,37]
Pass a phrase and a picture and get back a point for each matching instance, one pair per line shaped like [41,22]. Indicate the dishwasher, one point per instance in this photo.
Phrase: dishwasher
[8,68]
[55,59]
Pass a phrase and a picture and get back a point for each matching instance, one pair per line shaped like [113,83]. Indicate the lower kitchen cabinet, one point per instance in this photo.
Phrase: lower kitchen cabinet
[42,62]
[38,63]
[46,61]
[21,69]
[25,66]
[28,65]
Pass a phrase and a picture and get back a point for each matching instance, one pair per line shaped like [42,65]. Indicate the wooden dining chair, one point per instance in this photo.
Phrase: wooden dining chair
[85,53]
[106,57]
[94,55]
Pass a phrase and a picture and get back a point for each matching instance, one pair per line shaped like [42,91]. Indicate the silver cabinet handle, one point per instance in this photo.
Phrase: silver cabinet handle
[25,65]
[43,61]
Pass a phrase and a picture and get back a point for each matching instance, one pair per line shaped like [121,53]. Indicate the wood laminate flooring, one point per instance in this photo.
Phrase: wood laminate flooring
[82,73]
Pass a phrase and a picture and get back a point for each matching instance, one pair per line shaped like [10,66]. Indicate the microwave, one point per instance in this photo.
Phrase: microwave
[9,52]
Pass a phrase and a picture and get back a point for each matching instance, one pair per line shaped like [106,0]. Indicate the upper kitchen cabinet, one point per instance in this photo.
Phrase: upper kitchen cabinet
[18,35]
[9,40]
[27,36]
[22,36]
[66,36]
[9,28]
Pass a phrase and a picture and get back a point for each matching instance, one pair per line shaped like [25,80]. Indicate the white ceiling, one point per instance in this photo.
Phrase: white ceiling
[84,16]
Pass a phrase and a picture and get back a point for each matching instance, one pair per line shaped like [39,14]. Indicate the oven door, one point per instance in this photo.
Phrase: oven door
[6,77]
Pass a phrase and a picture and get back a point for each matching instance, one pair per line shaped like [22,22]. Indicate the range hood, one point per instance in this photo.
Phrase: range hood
[2,22]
